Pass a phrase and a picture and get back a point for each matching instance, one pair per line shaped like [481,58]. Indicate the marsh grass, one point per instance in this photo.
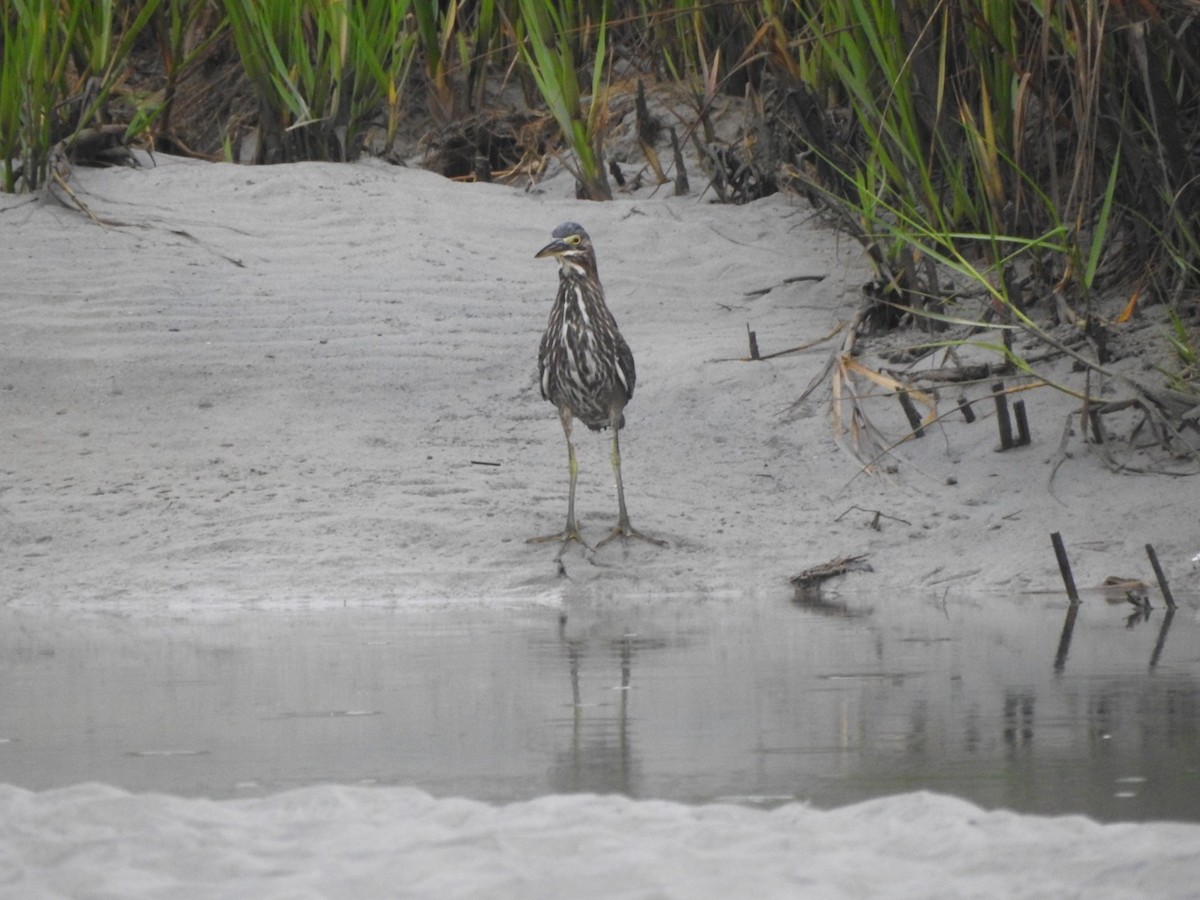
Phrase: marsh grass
[1000,139]
[1051,143]
[551,59]
[59,64]
[322,70]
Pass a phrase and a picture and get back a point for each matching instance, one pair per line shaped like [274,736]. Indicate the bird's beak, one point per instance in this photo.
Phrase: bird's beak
[554,248]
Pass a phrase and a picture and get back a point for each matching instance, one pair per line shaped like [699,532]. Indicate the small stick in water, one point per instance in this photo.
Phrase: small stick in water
[1162,579]
[1064,566]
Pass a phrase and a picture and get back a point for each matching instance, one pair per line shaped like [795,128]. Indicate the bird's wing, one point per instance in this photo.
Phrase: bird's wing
[543,368]
[625,370]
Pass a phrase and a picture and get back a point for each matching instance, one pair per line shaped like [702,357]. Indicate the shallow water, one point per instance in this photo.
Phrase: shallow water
[1006,702]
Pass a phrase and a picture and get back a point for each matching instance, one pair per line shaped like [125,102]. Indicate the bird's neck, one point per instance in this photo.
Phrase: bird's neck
[576,269]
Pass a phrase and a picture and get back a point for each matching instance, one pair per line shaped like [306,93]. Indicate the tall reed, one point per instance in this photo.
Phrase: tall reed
[321,69]
[59,64]
[551,59]
[1070,125]
[1061,123]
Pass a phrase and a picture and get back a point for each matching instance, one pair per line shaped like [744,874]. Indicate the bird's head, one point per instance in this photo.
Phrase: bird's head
[571,247]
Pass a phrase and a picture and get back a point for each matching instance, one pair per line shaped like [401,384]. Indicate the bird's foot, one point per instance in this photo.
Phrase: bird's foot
[566,536]
[624,530]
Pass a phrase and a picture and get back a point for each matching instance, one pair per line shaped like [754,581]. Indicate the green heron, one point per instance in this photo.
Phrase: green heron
[586,368]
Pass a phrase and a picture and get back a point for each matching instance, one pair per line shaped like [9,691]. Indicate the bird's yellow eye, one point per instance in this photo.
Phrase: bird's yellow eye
[573,239]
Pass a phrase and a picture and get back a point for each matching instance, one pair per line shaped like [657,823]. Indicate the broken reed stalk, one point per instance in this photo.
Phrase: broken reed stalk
[910,410]
[681,179]
[1162,578]
[1023,437]
[964,407]
[753,343]
[1064,567]
[1002,420]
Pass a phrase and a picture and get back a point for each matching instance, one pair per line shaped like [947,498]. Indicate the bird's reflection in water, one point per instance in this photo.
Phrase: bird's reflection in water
[600,645]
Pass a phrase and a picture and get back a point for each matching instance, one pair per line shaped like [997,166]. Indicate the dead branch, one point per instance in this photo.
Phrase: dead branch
[816,574]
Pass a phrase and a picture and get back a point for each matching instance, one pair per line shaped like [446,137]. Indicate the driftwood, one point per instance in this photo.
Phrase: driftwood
[1121,589]
[816,574]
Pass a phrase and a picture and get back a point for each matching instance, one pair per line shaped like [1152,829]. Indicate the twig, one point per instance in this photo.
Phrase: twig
[959,374]
[60,171]
[964,406]
[910,411]
[1064,567]
[800,348]
[1061,456]
[1003,423]
[682,187]
[847,345]
[1023,436]
[877,515]
[1162,579]
[758,292]
[1167,433]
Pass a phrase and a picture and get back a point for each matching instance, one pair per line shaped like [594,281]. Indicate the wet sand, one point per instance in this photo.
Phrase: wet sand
[315,385]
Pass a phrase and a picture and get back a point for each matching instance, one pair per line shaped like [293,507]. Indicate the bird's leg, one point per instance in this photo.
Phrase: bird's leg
[571,531]
[623,528]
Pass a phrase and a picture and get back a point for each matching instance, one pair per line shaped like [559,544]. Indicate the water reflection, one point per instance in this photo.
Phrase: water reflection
[598,757]
[1028,704]
[1141,615]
